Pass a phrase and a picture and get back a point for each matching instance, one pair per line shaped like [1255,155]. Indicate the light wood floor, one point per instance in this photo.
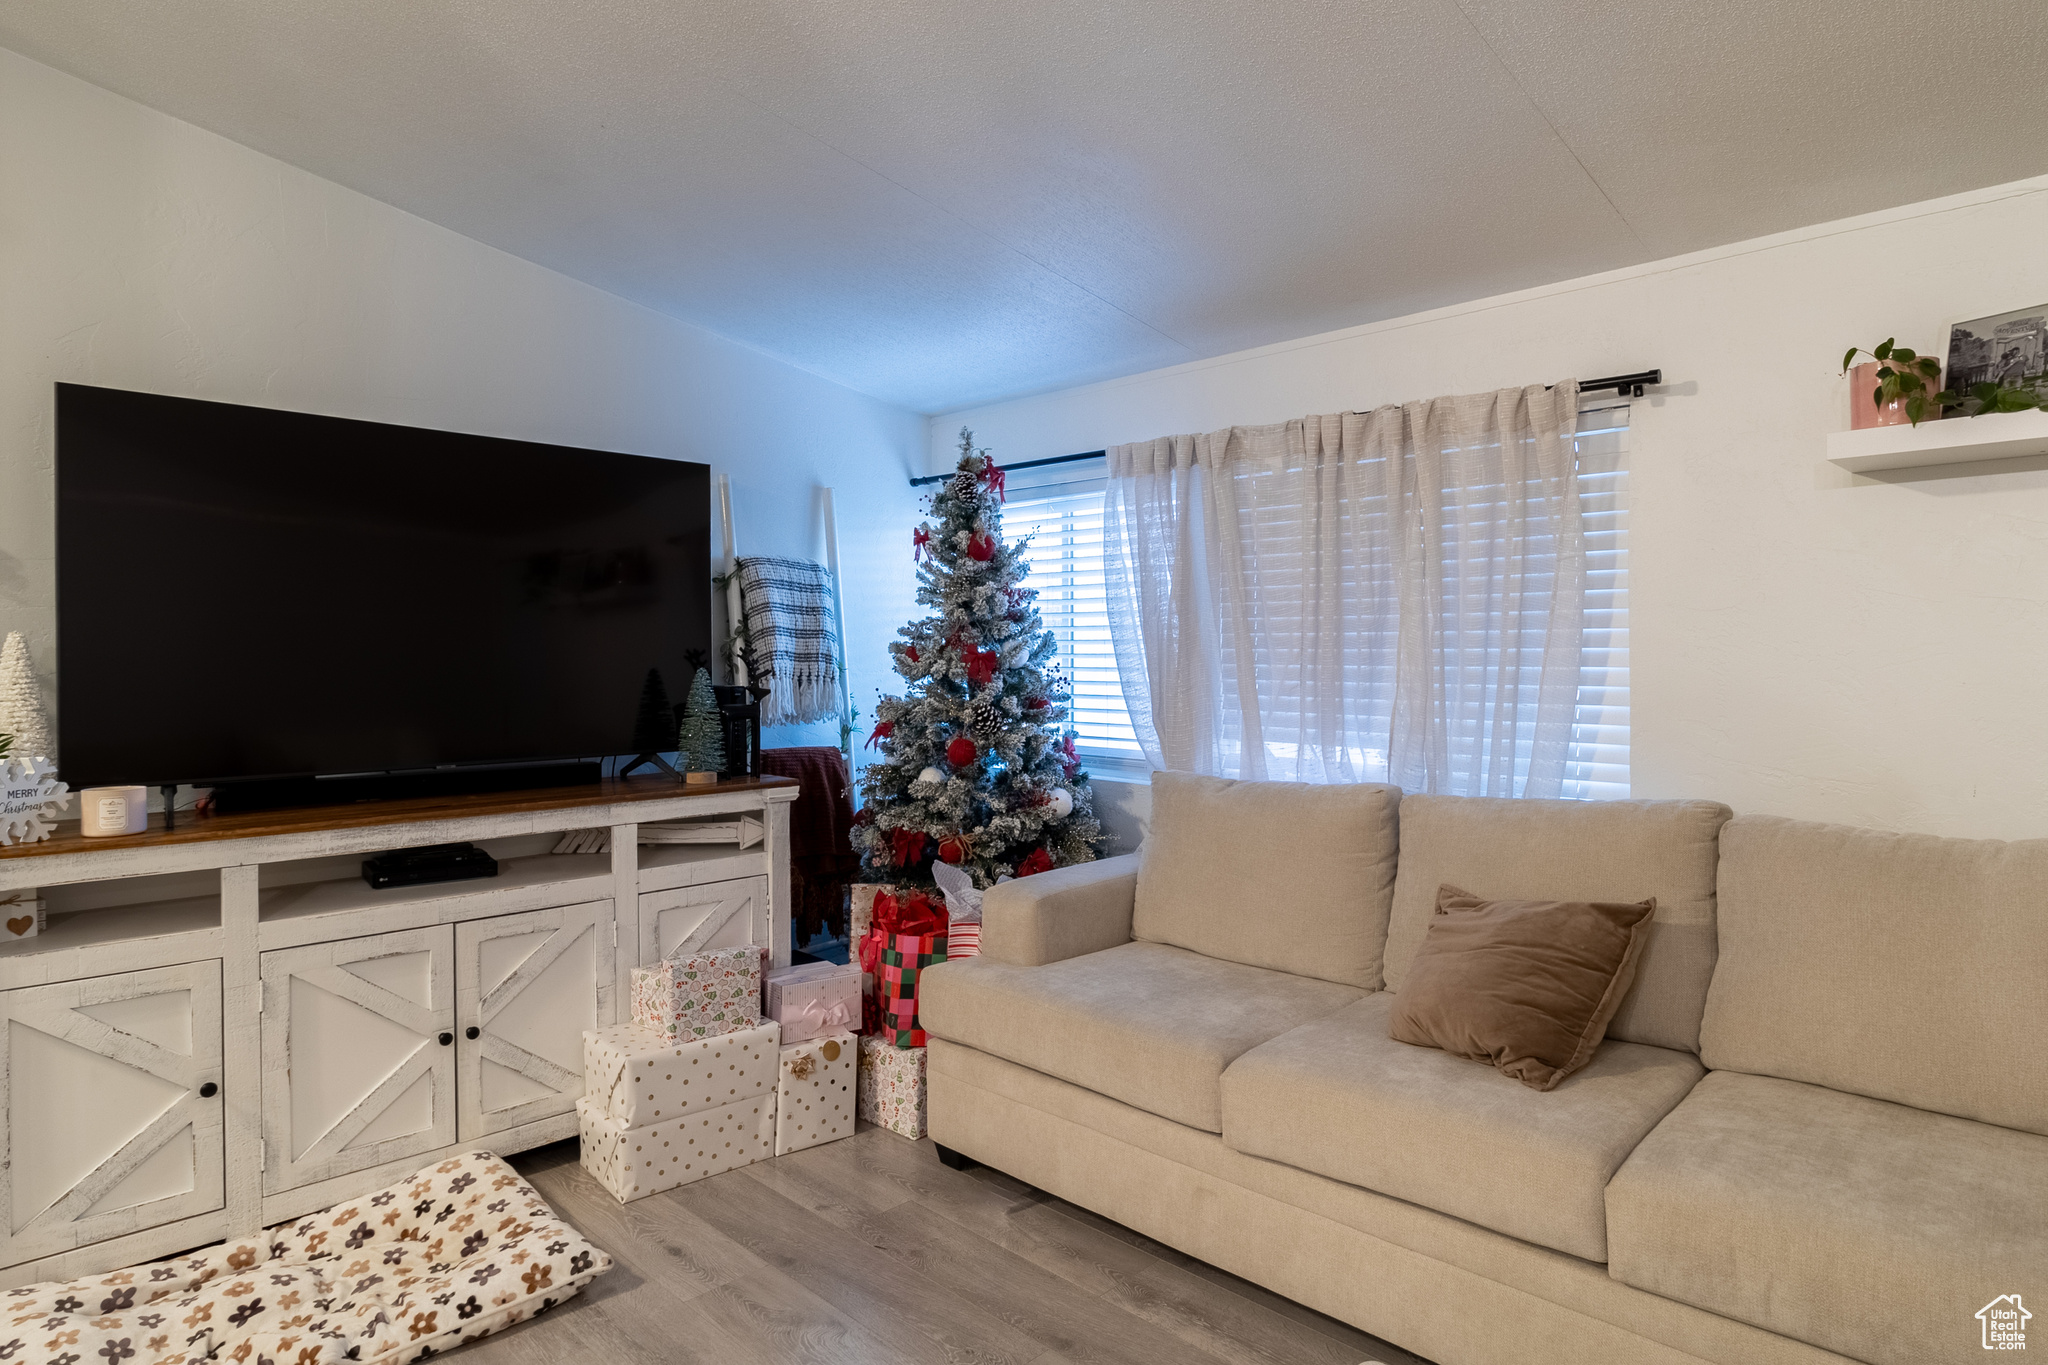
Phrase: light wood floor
[869,1252]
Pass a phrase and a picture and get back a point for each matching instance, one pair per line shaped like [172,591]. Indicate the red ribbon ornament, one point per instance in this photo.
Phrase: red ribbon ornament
[919,539]
[1037,861]
[883,729]
[981,666]
[907,845]
[994,478]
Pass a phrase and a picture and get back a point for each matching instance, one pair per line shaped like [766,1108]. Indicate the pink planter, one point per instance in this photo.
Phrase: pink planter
[1864,413]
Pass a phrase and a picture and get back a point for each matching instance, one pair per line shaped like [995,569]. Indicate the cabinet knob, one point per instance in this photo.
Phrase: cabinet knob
[208,1091]
[472,1032]
[447,1038]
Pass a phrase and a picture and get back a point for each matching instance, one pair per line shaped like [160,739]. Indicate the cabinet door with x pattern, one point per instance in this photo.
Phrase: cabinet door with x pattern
[358,1056]
[526,988]
[110,1093]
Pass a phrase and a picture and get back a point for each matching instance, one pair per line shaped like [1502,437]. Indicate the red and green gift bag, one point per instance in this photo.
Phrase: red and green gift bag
[909,935]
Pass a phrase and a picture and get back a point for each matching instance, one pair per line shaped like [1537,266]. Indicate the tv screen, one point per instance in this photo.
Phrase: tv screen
[247,593]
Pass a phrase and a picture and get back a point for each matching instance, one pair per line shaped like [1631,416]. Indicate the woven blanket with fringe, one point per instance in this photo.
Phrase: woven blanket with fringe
[787,606]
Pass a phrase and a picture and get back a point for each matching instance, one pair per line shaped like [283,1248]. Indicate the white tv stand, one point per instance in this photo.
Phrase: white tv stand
[223,1027]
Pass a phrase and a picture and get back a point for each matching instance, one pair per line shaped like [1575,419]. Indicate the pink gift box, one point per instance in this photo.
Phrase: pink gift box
[703,995]
[814,1000]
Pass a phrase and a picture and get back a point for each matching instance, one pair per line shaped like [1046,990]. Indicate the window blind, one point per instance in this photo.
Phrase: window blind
[1597,765]
[1061,510]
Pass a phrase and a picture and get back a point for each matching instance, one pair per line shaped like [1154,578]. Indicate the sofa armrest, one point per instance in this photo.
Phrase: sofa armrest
[1060,914]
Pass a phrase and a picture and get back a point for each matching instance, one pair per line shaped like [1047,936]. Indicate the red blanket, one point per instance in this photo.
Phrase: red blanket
[822,863]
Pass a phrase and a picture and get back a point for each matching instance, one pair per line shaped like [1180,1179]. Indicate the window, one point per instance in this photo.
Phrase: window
[1062,513]
[1596,768]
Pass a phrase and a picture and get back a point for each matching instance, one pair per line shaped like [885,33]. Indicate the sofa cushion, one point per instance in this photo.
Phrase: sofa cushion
[1525,986]
[1287,875]
[1144,1023]
[1338,1097]
[1899,966]
[1859,1226]
[1513,849]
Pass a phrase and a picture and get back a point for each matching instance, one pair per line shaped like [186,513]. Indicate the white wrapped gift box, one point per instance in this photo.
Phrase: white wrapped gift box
[637,1075]
[635,1162]
[814,1097]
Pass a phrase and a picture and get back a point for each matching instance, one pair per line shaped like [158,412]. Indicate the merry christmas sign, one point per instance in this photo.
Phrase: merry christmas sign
[30,797]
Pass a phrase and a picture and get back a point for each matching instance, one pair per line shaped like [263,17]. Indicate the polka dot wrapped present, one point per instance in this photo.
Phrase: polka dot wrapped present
[814,1096]
[635,1162]
[638,1075]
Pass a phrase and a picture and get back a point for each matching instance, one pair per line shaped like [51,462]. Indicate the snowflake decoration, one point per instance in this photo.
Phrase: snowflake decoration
[30,797]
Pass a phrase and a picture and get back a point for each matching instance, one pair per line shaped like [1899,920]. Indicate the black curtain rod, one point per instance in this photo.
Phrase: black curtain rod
[1021,464]
[1624,385]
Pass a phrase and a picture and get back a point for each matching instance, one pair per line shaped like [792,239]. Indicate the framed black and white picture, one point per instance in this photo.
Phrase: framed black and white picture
[2006,348]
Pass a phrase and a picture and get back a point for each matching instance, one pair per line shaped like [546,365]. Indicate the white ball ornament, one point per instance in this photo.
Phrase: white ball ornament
[931,775]
[1062,803]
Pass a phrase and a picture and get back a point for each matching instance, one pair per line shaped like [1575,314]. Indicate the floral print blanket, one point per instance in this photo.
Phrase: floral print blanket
[456,1252]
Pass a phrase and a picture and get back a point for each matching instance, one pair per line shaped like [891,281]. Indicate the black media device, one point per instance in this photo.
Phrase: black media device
[298,610]
[434,863]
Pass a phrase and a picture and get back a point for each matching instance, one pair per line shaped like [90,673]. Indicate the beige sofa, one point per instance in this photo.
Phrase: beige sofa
[1815,1131]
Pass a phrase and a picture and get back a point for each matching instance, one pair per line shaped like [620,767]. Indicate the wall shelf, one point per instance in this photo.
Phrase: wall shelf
[1952,440]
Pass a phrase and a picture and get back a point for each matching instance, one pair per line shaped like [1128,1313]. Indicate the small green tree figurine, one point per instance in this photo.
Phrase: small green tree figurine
[701,745]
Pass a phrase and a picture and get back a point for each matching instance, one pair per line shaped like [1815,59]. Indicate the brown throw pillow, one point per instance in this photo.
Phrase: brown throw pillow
[1526,985]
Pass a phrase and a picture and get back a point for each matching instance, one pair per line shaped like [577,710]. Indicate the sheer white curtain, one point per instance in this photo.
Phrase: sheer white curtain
[1385,596]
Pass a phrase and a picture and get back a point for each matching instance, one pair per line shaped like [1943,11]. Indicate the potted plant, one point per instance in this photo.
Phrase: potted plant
[1901,383]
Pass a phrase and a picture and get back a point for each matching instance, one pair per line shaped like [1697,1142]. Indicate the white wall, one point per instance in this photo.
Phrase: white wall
[140,252]
[1805,642]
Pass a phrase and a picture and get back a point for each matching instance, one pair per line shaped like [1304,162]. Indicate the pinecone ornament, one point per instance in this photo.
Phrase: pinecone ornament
[965,487]
[985,719]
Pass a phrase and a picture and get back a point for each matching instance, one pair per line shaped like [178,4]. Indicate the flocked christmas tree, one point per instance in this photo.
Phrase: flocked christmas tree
[701,741]
[978,768]
[21,701]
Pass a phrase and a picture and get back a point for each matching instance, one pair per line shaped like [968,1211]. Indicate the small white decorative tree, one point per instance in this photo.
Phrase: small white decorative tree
[21,701]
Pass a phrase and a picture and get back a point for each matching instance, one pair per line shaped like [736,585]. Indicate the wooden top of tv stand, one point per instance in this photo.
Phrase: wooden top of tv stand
[193,828]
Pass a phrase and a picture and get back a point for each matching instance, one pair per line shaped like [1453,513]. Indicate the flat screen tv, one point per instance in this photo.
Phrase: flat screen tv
[244,593]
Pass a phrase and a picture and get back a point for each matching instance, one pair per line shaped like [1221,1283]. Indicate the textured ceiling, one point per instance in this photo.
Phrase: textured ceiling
[942,203]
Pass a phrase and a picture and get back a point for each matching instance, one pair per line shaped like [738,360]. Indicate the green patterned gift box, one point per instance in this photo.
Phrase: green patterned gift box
[701,995]
[891,1087]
